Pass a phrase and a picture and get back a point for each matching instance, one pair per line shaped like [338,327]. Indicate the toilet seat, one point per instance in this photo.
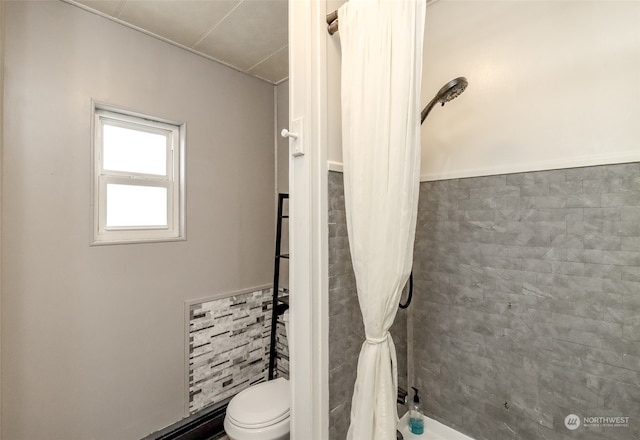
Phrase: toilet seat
[261,405]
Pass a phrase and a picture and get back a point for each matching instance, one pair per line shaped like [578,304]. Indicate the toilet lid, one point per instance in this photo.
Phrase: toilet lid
[261,405]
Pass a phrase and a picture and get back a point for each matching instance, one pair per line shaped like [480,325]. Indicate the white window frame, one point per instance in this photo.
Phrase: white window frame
[173,181]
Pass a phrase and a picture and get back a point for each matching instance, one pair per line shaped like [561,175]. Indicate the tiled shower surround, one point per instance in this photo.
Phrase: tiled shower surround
[229,342]
[346,331]
[527,302]
[526,306]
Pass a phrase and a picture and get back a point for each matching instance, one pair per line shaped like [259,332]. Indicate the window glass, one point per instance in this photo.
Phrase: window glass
[135,151]
[136,206]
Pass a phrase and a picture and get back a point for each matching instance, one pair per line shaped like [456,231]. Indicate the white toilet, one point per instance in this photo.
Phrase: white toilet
[261,412]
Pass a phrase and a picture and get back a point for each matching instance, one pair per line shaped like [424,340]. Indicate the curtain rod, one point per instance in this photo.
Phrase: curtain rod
[332,21]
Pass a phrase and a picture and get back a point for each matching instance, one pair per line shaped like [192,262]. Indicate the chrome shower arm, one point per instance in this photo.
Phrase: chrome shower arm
[427,109]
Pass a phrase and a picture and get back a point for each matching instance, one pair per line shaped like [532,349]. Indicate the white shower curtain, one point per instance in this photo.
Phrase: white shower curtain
[381,72]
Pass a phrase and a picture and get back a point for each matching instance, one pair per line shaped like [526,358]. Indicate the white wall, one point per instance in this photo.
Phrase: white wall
[282,144]
[552,84]
[282,170]
[93,337]
[1,136]
[334,121]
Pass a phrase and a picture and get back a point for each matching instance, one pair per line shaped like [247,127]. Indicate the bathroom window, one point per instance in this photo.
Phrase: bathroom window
[138,190]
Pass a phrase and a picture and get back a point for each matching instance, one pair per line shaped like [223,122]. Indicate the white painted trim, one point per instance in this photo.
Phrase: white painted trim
[529,167]
[222,295]
[433,430]
[185,373]
[281,81]
[276,170]
[1,165]
[174,181]
[187,318]
[338,167]
[544,165]
[308,230]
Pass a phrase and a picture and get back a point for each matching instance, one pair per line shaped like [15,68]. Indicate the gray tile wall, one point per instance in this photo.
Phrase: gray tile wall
[346,331]
[229,341]
[527,302]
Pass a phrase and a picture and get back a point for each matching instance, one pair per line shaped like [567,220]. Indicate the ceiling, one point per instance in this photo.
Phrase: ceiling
[249,35]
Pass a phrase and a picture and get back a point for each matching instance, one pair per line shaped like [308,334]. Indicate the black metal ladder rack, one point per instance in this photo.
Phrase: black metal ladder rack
[278,305]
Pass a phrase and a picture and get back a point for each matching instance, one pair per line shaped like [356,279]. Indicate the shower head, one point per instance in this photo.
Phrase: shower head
[449,91]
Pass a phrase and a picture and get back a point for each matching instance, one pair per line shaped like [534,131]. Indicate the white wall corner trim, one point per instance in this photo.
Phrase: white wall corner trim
[308,230]
[1,156]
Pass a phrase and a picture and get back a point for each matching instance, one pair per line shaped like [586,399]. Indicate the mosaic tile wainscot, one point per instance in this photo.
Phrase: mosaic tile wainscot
[229,347]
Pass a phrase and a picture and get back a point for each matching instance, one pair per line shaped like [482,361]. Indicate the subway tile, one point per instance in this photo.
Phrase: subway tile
[517,179]
[628,289]
[591,186]
[624,184]
[549,230]
[631,331]
[535,265]
[611,372]
[612,314]
[612,214]
[625,170]
[547,202]
[558,253]
[593,256]
[571,187]
[603,242]
[587,325]
[631,362]
[494,192]
[549,176]
[602,271]
[585,173]
[482,215]
[630,213]
[614,391]
[583,309]
[568,268]
[631,274]
[535,189]
[568,241]
[623,258]
[583,200]
[493,181]
[631,198]
[628,228]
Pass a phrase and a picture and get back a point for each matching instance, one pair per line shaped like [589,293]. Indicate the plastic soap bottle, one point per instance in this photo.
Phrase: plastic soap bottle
[416,418]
